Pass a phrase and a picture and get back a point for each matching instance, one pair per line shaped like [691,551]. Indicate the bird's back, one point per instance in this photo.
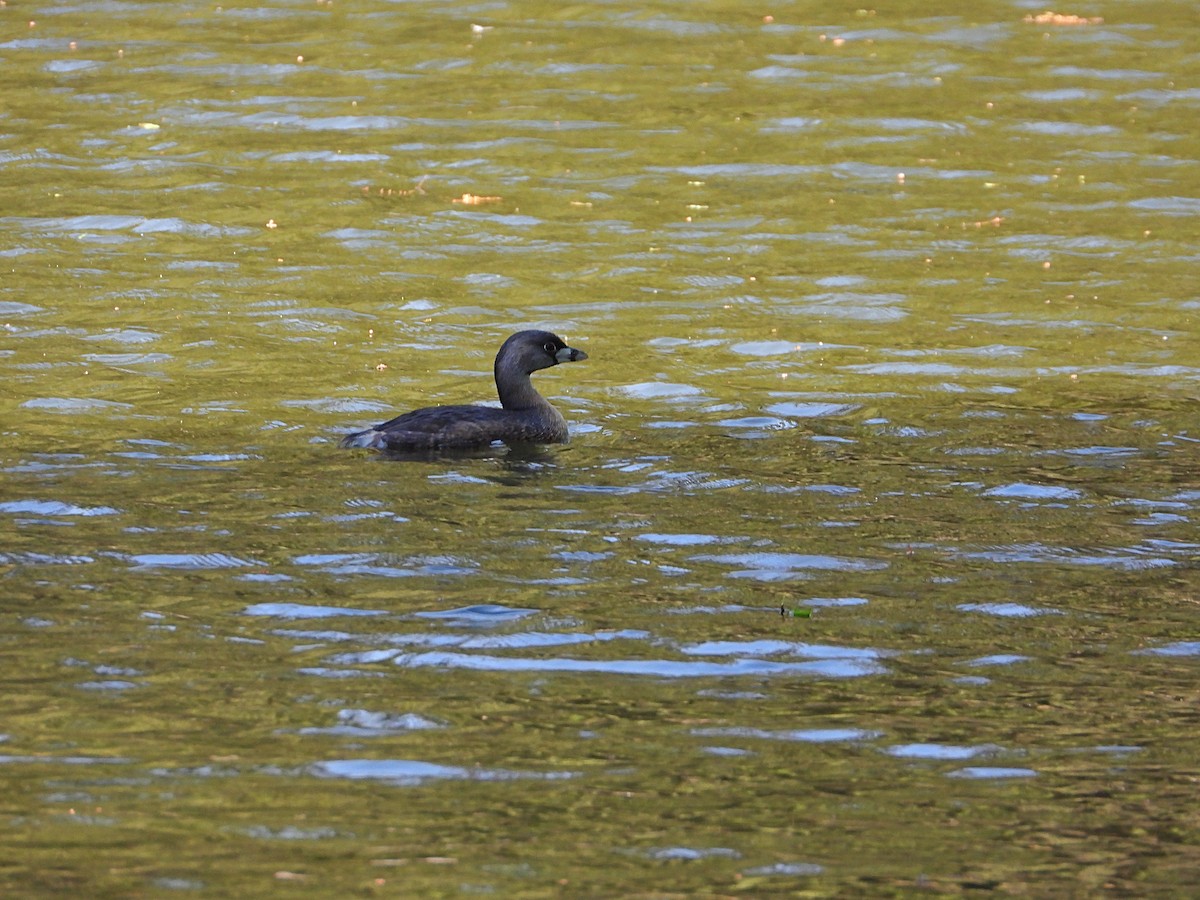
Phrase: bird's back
[462,427]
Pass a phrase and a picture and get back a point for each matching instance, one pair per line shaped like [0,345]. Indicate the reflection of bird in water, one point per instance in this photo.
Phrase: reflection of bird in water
[526,418]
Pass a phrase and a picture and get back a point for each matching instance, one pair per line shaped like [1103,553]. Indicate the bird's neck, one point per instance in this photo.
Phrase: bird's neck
[517,391]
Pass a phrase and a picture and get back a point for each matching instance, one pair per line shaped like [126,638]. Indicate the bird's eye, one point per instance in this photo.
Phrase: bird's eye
[549,348]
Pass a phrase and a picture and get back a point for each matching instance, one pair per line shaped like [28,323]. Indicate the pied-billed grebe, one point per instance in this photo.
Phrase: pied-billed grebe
[527,418]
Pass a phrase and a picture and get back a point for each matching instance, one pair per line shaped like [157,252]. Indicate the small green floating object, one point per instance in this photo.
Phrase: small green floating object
[799,612]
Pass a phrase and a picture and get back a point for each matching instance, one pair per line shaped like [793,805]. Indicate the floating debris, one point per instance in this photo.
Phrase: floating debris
[1053,18]
[475,199]
[418,188]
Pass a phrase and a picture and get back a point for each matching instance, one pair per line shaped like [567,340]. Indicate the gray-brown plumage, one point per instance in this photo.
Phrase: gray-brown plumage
[526,417]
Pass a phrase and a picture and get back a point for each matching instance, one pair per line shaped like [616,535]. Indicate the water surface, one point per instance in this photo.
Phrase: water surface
[871,566]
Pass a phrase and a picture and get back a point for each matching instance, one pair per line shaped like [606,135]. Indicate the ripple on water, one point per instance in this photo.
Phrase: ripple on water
[1097,451]
[804,735]
[327,156]
[764,348]
[191,561]
[769,566]
[73,404]
[1008,610]
[1024,491]
[361,238]
[707,610]
[1066,129]
[847,305]
[726,751]
[509,641]
[125,336]
[940,751]
[484,614]
[757,425]
[812,410]
[366,723]
[771,647]
[997,659]
[740,170]
[386,565]
[337,405]
[835,601]
[11,308]
[895,123]
[658,668]
[788,123]
[42,759]
[785,869]
[1180,206]
[54,508]
[984,772]
[658,390]
[29,558]
[115,685]
[127,359]
[682,540]
[1179,648]
[693,853]
[303,611]
[1130,559]
[532,639]
[412,772]
[261,833]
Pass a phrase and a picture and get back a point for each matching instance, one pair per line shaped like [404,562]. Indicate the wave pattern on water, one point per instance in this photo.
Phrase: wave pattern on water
[879,506]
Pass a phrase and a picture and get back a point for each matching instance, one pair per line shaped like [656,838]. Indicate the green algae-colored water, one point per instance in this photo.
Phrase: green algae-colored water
[891,319]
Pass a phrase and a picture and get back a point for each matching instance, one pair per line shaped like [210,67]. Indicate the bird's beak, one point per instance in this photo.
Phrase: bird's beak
[569,354]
